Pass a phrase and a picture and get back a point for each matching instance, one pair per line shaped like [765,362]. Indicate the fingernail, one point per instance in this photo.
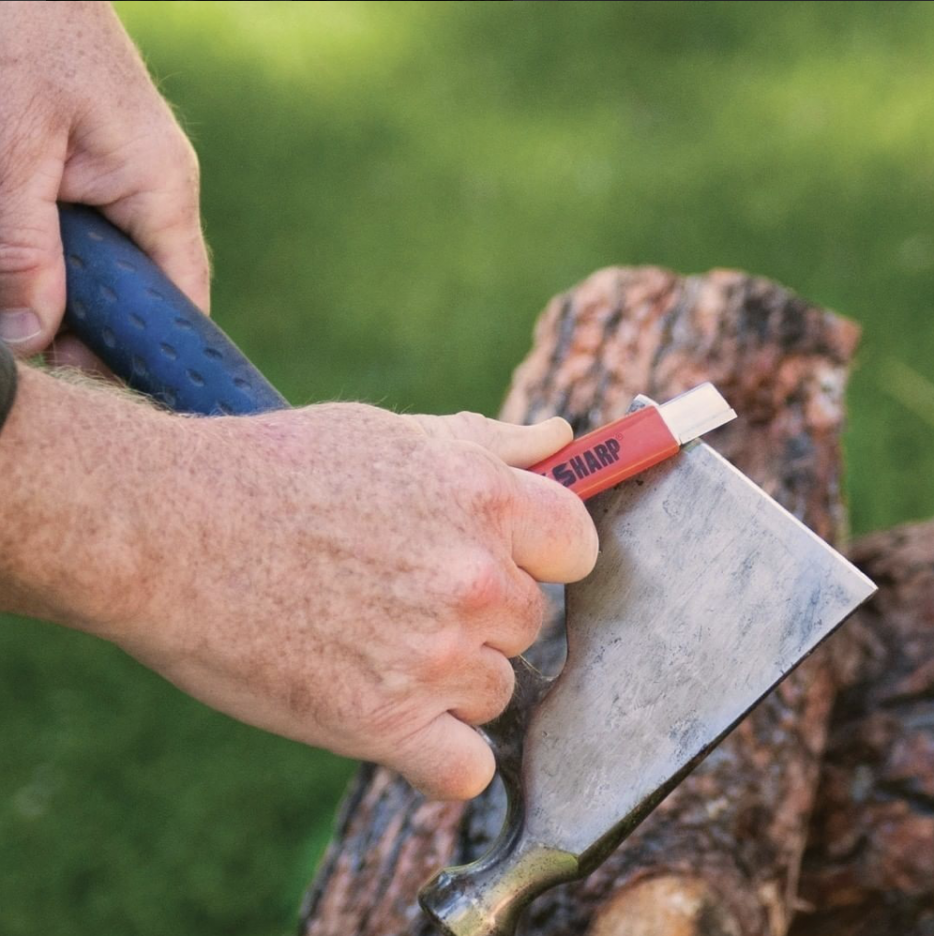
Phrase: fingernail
[18,326]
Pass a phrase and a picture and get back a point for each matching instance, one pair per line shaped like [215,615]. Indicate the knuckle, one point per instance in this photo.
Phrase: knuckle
[500,687]
[167,167]
[491,689]
[438,657]
[384,725]
[192,162]
[181,207]
[530,617]
[479,585]
[517,628]
[22,253]
[467,424]
[190,167]
[483,484]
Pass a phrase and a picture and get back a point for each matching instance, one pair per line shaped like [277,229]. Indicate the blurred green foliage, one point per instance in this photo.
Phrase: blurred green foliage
[392,192]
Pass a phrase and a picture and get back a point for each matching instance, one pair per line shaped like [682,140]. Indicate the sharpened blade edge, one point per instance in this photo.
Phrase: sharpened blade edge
[649,690]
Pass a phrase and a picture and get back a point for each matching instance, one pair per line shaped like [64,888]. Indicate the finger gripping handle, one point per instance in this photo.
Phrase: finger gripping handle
[486,898]
[147,331]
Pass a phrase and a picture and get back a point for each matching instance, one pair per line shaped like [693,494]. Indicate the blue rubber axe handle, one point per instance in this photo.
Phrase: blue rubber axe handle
[125,309]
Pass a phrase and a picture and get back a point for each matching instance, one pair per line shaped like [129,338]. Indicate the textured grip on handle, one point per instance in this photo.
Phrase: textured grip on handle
[125,309]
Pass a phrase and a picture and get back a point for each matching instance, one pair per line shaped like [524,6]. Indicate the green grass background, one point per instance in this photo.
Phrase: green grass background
[392,192]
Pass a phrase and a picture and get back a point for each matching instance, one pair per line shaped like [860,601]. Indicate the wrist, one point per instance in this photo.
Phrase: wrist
[76,462]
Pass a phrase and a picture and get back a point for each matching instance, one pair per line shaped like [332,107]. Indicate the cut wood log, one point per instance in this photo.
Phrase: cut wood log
[721,855]
[869,866]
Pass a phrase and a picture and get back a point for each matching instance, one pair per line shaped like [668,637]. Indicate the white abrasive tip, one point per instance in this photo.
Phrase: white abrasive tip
[695,412]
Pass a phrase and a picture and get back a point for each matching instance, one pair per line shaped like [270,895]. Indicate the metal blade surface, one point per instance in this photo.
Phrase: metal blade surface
[706,593]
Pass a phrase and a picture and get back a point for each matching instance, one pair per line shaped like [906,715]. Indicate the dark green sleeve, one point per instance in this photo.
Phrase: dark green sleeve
[7,382]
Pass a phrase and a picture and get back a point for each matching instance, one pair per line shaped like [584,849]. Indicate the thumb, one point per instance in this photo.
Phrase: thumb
[517,446]
[32,269]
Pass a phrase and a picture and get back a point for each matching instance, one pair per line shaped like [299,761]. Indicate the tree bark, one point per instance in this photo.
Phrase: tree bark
[721,855]
[869,866]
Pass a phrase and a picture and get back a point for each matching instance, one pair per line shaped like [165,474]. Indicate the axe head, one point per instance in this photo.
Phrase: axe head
[705,595]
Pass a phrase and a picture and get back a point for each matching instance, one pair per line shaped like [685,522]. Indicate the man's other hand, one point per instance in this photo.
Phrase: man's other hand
[80,121]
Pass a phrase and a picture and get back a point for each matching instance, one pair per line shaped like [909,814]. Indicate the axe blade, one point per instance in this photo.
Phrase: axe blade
[706,594]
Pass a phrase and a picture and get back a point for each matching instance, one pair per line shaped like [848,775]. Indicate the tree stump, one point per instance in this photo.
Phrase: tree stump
[721,856]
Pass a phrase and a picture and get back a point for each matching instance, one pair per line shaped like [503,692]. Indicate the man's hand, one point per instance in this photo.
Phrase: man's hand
[340,575]
[361,579]
[80,121]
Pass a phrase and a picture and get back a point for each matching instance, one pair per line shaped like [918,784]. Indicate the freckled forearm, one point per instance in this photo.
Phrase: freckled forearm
[78,479]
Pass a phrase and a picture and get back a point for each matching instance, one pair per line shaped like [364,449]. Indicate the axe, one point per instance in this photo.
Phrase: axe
[705,595]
